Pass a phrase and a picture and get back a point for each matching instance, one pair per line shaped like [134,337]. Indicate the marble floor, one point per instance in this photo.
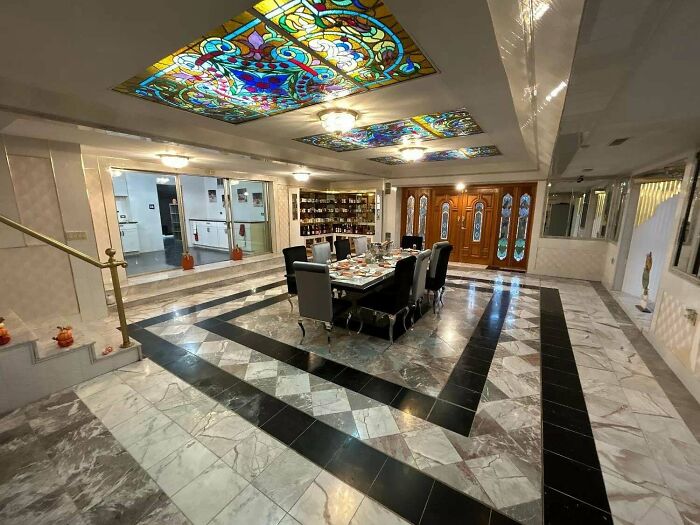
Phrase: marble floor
[525,399]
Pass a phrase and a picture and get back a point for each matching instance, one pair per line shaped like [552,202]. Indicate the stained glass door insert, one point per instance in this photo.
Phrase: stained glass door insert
[506,209]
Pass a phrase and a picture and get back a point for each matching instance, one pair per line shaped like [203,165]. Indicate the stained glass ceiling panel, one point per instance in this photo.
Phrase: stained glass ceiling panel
[435,126]
[450,154]
[283,55]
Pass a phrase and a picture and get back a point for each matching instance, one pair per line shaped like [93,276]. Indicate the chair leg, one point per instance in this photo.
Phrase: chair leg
[303,332]
[442,294]
[328,327]
[291,304]
[405,315]
[392,320]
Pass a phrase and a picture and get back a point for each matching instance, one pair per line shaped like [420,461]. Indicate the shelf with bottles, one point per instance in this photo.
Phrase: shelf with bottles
[322,212]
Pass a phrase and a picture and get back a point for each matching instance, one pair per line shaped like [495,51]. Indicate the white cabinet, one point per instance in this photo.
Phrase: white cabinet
[210,234]
[130,237]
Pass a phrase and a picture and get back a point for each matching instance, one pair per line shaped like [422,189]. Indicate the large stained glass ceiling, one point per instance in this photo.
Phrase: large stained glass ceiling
[454,123]
[282,55]
[450,154]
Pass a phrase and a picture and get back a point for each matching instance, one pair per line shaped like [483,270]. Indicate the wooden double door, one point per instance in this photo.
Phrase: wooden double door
[489,225]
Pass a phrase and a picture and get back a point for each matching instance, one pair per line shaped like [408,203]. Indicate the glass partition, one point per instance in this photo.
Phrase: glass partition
[585,210]
[250,216]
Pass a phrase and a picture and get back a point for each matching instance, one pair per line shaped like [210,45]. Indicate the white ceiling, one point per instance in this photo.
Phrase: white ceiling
[61,59]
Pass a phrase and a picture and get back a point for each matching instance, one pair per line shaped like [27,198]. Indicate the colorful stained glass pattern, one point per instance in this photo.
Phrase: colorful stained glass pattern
[506,209]
[478,221]
[444,220]
[452,154]
[410,211]
[422,214]
[521,231]
[251,67]
[425,128]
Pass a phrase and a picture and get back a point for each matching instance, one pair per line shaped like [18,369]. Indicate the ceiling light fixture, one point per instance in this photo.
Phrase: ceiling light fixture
[412,153]
[174,161]
[301,176]
[460,186]
[338,120]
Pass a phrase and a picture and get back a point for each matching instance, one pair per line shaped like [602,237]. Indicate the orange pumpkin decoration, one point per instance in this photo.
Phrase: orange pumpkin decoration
[64,337]
[187,261]
[4,333]
[236,253]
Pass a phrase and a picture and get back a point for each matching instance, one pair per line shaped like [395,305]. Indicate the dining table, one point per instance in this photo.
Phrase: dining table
[357,275]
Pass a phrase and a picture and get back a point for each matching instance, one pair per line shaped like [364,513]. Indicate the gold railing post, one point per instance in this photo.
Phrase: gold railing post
[113,265]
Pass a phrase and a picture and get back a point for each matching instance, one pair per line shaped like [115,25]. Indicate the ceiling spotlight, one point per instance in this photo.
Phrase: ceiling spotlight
[412,153]
[338,120]
[174,161]
[460,186]
[301,176]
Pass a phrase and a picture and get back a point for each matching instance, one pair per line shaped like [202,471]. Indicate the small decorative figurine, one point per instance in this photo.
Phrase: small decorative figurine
[107,350]
[64,337]
[187,261]
[4,333]
[236,253]
[644,303]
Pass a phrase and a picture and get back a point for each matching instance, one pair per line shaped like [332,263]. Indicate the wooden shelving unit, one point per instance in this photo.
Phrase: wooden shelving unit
[325,212]
[175,219]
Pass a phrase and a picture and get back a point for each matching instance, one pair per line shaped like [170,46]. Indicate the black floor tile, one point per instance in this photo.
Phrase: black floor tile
[559,378]
[557,351]
[476,351]
[352,379]
[316,365]
[570,444]
[460,396]
[402,489]
[356,464]
[560,508]
[565,417]
[572,398]
[474,365]
[452,417]
[575,479]
[261,408]
[446,505]
[483,341]
[414,403]
[215,385]
[320,442]
[237,395]
[466,379]
[288,424]
[192,369]
[381,390]
[501,519]
[562,365]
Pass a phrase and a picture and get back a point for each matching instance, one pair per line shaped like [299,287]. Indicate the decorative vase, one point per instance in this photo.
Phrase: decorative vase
[64,337]
[4,333]
[187,261]
[236,253]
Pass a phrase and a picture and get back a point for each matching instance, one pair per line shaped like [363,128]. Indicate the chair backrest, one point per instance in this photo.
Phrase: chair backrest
[321,252]
[292,254]
[419,275]
[314,291]
[403,280]
[407,241]
[342,248]
[438,280]
[434,256]
[360,245]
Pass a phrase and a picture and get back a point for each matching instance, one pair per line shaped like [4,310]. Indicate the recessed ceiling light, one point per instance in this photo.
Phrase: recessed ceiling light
[338,120]
[412,153]
[301,176]
[460,186]
[174,161]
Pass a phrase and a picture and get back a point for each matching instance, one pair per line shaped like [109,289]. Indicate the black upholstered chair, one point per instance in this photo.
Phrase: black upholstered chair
[420,275]
[437,272]
[407,241]
[314,293]
[393,300]
[291,255]
[342,249]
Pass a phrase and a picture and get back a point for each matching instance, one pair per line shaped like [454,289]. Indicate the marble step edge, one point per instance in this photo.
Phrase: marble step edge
[20,332]
[169,293]
[94,353]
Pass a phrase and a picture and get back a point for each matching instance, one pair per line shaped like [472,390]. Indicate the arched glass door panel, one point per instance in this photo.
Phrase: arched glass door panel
[478,221]
[410,210]
[506,209]
[521,232]
[422,215]
[444,220]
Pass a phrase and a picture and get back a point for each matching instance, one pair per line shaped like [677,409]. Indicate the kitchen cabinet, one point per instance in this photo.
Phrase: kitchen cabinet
[130,237]
[210,234]
[119,186]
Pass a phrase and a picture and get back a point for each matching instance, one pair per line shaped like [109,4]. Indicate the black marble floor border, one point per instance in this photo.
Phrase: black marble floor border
[573,486]
[493,282]
[401,488]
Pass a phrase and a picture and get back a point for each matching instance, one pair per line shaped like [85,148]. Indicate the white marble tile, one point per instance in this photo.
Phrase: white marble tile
[636,468]
[150,449]
[252,453]
[97,384]
[634,504]
[372,513]
[503,482]
[327,501]
[116,404]
[375,422]
[207,494]
[294,384]
[431,447]
[330,401]
[286,478]
[182,466]
[250,507]
[261,370]
[220,437]
[140,426]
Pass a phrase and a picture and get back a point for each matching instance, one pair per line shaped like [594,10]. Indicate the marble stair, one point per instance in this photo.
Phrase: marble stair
[33,366]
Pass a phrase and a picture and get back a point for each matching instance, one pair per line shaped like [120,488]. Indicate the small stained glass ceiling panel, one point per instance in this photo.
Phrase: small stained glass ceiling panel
[283,55]
[456,123]
[451,154]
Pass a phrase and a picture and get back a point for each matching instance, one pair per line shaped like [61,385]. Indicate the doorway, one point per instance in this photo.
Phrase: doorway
[250,221]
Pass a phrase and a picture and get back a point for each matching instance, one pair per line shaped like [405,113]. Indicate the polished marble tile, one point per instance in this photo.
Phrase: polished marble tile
[252,452]
[287,478]
[251,507]
[327,501]
[410,500]
[158,444]
[179,468]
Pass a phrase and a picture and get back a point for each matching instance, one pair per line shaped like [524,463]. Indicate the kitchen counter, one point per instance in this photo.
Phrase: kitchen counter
[209,220]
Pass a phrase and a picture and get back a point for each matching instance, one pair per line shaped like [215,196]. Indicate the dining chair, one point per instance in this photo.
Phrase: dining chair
[434,257]
[436,282]
[342,249]
[407,241]
[360,245]
[321,252]
[418,287]
[316,302]
[393,300]
[291,255]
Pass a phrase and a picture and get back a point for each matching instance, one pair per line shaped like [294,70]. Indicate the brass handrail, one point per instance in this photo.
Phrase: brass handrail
[111,263]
